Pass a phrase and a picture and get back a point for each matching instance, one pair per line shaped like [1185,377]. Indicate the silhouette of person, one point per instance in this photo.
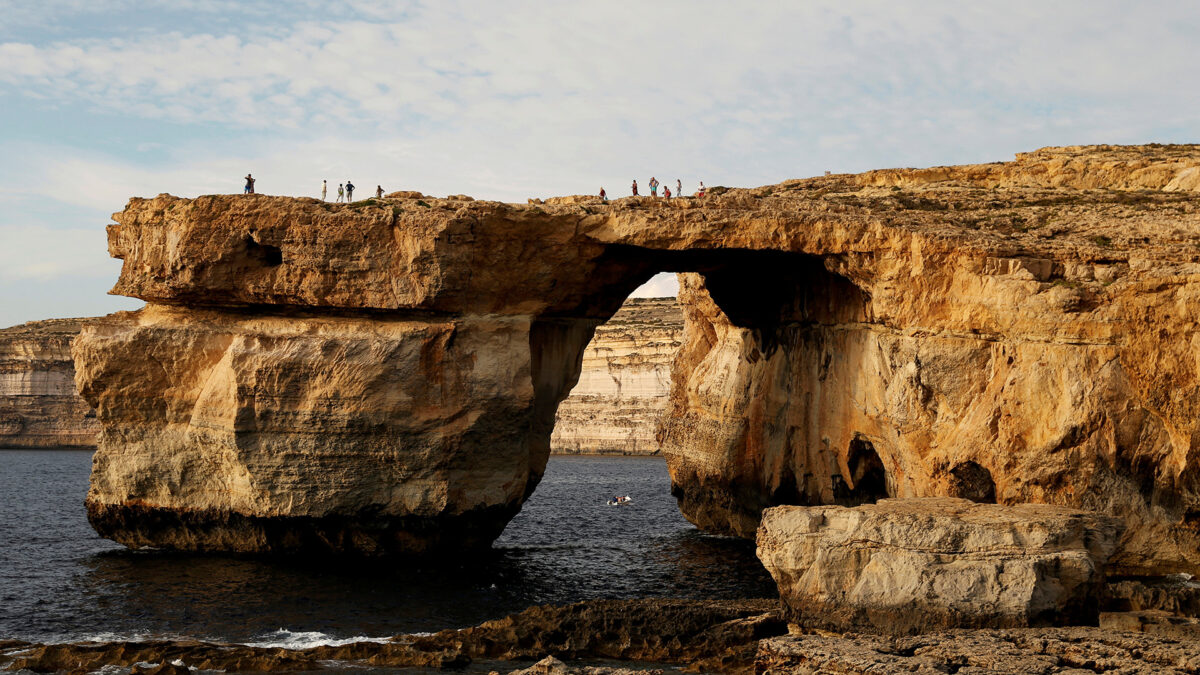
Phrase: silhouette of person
[341,193]
[634,187]
[379,192]
[324,187]
[349,192]
[249,184]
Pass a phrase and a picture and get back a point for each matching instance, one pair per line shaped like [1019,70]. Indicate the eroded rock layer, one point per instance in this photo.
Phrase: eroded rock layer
[916,565]
[624,383]
[366,376]
[39,407]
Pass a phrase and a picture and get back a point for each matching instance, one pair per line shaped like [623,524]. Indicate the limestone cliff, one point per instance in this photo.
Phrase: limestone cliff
[384,375]
[624,382]
[39,407]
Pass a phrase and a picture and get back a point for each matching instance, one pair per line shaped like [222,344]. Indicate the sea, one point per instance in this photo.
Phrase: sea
[60,582]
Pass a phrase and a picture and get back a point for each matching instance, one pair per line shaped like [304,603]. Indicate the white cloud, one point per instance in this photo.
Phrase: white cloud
[678,67]
[518,99]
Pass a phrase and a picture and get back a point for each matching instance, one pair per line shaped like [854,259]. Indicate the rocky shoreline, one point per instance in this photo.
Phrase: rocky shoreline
[735,637]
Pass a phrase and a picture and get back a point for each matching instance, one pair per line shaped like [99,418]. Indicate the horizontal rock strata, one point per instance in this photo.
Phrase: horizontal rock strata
[915,565]
[364,376]
[39,407]
[624,382]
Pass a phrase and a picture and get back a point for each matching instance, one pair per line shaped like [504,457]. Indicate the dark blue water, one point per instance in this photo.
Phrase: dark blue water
[61,582]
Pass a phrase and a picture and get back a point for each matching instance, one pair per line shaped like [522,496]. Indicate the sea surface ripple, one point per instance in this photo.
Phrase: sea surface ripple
[60,582]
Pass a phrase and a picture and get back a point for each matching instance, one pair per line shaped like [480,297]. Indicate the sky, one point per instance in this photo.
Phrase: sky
[104,100]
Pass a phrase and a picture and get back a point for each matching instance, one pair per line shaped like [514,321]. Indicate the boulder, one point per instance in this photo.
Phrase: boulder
[906,566]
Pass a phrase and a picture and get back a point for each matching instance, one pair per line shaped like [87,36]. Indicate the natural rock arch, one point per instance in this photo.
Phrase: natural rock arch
[382,376]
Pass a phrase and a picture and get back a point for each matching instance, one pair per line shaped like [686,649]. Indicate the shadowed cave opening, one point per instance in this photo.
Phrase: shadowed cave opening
[971,481]
[265,255]
[779,301]
[868,477]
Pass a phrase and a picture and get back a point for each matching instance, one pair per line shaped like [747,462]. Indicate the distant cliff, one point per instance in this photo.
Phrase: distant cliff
[625,383]
[39,407]
[614,409]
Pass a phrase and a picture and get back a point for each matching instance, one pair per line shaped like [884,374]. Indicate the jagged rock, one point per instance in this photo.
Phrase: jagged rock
[719,635]
[624,382]
[39,407]
[726,637]
[552,666]
[712,636]
[383,375]
[1178,595]
[1031,651]
[915,565]
[1152,621]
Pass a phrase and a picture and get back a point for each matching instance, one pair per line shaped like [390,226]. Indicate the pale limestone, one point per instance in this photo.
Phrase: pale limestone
[624,382]
[914,565]
[1023,332]
[39,407]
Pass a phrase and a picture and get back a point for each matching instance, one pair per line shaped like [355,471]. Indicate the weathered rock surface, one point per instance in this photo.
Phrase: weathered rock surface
[552,666]
[624,383]
[383,376]
[1030,651]
[915,565]
[623,388]
[1154,622]
[39,407]
[1178,595]
[721,636]
[726,637]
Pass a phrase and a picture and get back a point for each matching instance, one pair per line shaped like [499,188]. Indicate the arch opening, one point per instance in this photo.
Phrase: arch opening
[772,309]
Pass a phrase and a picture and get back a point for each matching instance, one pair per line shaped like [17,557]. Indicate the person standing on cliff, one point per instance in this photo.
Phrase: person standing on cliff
[603,195]
[653,186]
[700,190]
[635,187]
[341,193]
[324,187]
[349,192]
[378,192]
[249,184]
[678,188]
